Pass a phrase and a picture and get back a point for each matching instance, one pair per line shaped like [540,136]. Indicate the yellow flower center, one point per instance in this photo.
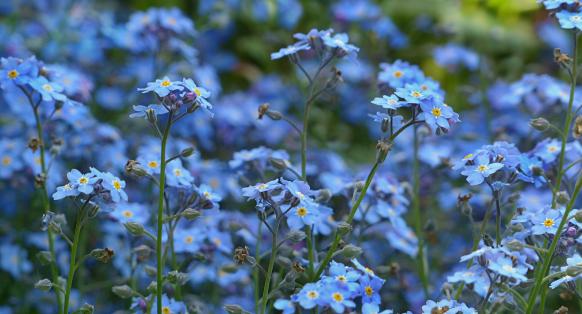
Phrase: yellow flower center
[549,222]
[416,94]
[508,268]
[217,241]
[117,185]
[468,156]
[337,297]
[165,83]
[301,211]
[189,239]
[398,74]
[6,160]
[262,186]
[166,310]
[312,294]
[482,168]
[47,87]
[369,271]
[153,164]
[436,112]
[552,148]
[127,213]
[177,172]
[83,180]
[172,21]
[341,278]
[206,194]
[197,91]
[12,74]
[369,291]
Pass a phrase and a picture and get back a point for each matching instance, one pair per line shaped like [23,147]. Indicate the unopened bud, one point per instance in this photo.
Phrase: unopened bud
[142,252]
[515,245]
[44,257]
[187,152]
[574,271]
[102,255]
[234,309]
[150,270]
[274,115]
[85,309]
[177,278]
[33,144]
[241,255]
[540,124]
[263,110]
[123,291]
[296,236]
[382,148]
[577,128]
[324,196]
[151,116]
[43,284]
[344,228]
[562,197]
[92,209]
[133,167]
[190,213]
[350,251]
[560,57]
[278,163]
[134,228]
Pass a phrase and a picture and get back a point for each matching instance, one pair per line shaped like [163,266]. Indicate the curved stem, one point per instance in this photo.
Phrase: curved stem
[159,249]
[266,286]
[45,197]
[422,261]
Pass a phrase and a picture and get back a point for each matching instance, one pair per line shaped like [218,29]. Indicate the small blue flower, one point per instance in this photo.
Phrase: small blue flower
[131,212]
[14,71]
[198,94]
[48,90]
[82,182]
[569,20]
[14,260]
[188,240]
[309,296]
[338,299]
[482,169]
[413,93]
[285,306]
[505,266]
[289,50]
[141,111]
[546,221]
[388,102]
[574,261]
[340,41]
[370,289]
[161,87]
[436,113]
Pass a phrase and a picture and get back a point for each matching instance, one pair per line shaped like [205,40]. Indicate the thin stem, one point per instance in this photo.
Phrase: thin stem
[73,259]
[265,297]
[567,122]
[497,217]
[310,254]
[257,262]
[417,216]
[45,197]
[550,254]
[159,249]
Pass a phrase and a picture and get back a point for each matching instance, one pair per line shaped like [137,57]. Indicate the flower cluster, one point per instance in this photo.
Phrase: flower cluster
[94,183]
[321,41]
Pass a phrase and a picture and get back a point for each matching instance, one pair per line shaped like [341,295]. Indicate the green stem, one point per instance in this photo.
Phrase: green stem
[497,218]
[567,122]
[351,215]
[550,254]
[310,252]
[73,258]
[159,249]
[45,198]
[417,216]
[265,297]
[257,263]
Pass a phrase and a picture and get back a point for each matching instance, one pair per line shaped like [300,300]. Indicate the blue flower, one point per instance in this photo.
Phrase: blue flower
[115,186]
[505,266]
[141,111]
[371,308]
[289,50]
[569,20]
[178,176]
[14,71]
[388,102]
[161,87]
[413,93]
[170,306]
[131,212]
[198,94]
[554,4]
[340,42]
[399,73]
[344,276]
[338,299]
[309,296]
[574,261]
[546,221]
[82,182]
[48,90]
[481,169]
[446,306]
[370,289]
[14,260]
[188,240]
[285,306]
[436,113]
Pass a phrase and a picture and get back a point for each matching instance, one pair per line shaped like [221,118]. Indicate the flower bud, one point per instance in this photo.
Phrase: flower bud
[44,257]
[92,209]
[102,255]
[55,228]
[571,232]
[578,216]
[278,163]
[187,152]
[344,228]
[134,228]
[234,309]
[540,124]
[274,115]
[190,213]
[562,197]
[150,270]
[241,255]
[33,144]
[577,128]
[177,278]
[263,109]
[133,167]
[324,196]
[515,245]
[487,240]
[43,284]
[350,251]
[85,309]
[151,116]
[382,148]
[561,58]
[296,236]
[142,252]
[152,287]
[574,271]
[123,291]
